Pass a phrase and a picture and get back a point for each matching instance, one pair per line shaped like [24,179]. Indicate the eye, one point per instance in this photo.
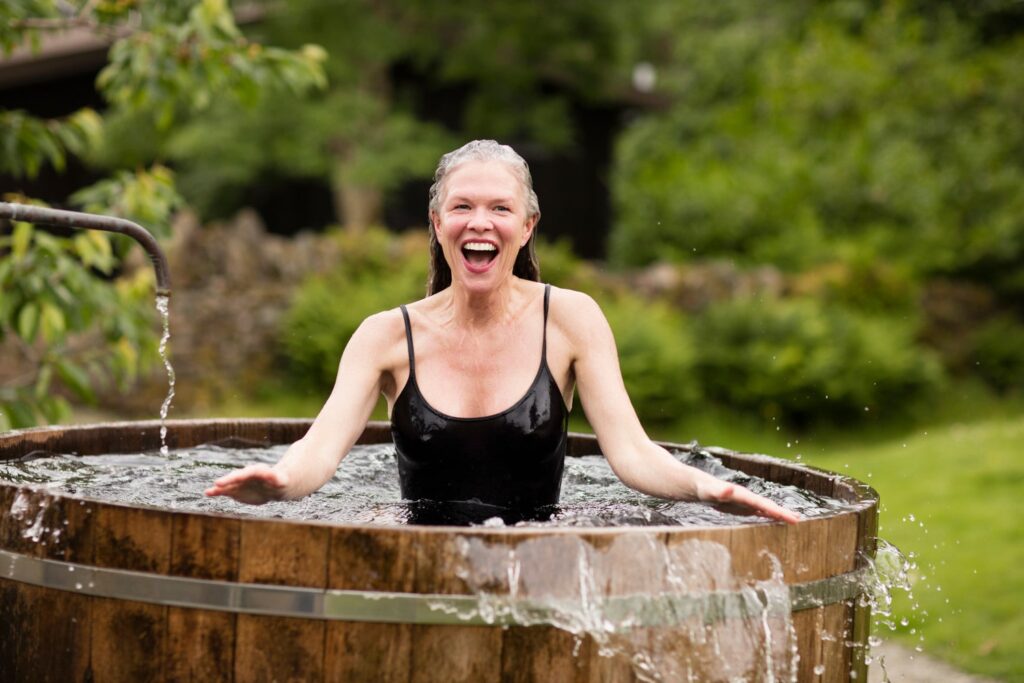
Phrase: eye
[502,207]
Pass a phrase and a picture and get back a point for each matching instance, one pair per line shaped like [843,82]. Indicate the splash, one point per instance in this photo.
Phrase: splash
[163,305]
[669,612]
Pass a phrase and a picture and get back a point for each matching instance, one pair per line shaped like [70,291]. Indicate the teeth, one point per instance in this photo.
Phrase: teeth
[479,246]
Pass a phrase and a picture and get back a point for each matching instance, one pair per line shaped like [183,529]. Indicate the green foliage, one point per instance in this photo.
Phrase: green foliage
[657,357]
[999,353]
[70,326]
[801,361]
[798,133]
[147,197]
[27,143]
[199,59]
[862,284]
[71,329]
[562,268]
[378,273]
[511,69]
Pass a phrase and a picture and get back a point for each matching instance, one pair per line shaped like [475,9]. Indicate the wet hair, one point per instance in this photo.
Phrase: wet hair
[526,266]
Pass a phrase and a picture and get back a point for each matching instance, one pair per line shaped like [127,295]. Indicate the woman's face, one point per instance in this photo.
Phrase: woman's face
[482,223]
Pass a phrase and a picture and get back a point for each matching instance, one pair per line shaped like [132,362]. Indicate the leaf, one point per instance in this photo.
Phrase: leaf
[28,320]
[76,379]
[20,414]
[52,323]
[54,409]
[43,380]
[21,239]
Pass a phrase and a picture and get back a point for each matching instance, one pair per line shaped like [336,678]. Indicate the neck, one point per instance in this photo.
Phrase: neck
[482,308]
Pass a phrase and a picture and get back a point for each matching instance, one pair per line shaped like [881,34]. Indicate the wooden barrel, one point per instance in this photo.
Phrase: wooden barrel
[107,592]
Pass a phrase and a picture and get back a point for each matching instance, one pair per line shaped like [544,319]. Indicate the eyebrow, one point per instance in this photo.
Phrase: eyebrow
[465,198]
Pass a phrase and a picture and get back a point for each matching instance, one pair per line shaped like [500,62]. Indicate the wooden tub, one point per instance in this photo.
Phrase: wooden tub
[107,592]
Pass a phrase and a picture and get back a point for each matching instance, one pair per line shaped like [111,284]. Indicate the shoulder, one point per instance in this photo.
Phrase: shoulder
[383,325]
[569,306]
[378,335]
[576,316]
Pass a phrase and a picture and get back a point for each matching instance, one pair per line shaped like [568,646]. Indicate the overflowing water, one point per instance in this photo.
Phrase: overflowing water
[590,591]
[583,588]
[364,490]
[163,305]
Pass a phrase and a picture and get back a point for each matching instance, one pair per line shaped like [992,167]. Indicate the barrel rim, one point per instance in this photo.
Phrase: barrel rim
[864,496]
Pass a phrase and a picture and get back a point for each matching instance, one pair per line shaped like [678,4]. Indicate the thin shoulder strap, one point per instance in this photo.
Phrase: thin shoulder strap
[544,343]
[408,338]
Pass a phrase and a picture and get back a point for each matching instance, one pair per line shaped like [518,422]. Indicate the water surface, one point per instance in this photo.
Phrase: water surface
[365,488]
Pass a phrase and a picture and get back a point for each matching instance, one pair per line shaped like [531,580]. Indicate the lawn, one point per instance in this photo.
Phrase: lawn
[952,496]
[951,489]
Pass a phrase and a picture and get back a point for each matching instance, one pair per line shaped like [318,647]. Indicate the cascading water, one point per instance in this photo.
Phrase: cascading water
[163,305]
[616,594]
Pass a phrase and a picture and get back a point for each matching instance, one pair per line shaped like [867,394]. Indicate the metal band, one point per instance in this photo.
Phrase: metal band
[413,608]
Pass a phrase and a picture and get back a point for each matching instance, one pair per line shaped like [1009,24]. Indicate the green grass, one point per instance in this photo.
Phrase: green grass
[963,485]
[959,471]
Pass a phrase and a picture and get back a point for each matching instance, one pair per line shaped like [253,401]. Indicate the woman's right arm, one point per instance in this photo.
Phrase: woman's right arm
[312,460]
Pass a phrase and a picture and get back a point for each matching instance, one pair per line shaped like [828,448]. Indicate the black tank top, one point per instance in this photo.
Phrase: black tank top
[461,470]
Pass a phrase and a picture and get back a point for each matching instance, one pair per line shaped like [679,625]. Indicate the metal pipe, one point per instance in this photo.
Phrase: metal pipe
[74,219]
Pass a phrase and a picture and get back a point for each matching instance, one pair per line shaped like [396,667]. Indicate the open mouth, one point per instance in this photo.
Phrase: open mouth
[479,254]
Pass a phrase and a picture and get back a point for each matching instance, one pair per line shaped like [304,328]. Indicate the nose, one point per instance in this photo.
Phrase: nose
[479,220]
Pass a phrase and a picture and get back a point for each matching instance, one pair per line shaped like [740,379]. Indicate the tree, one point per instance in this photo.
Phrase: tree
[859,130]
[502,70]
[66,309]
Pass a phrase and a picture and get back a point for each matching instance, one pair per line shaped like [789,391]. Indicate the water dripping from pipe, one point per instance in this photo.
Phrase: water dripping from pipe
[163,305]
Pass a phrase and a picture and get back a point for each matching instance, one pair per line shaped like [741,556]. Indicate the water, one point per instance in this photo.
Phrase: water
[579,588]
[163,305]
[364,490]
[556,579]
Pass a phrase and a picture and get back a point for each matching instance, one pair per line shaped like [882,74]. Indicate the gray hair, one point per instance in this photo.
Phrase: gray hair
[526,265]
[485,150]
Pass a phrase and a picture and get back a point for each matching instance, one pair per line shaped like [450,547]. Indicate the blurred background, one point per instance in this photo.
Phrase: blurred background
[804,220]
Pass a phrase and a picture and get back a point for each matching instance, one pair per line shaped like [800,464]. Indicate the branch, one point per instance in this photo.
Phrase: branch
[54,24]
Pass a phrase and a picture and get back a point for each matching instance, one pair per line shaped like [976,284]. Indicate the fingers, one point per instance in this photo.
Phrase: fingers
[255,484]
[738,494]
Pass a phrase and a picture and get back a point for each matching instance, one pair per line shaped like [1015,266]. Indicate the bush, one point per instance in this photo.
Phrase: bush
[379,271]
[656,352]
[801,361]
[793,137]
[999,354]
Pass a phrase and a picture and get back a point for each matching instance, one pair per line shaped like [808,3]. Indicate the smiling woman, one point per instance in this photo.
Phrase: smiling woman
[479,404]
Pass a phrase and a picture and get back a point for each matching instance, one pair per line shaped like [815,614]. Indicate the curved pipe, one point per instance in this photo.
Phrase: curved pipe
[74,219]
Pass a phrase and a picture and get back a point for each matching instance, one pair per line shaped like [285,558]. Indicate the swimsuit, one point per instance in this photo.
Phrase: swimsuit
[467,469]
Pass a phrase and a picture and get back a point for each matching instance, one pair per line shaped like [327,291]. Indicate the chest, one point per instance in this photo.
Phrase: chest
[480,374]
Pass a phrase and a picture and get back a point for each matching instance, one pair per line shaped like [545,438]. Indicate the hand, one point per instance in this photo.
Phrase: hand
[720,491]
[255,485]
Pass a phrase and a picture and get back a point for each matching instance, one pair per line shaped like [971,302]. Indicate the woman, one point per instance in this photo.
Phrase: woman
[479,402]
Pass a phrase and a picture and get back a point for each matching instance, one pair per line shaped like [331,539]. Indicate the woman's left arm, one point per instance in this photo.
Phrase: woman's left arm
[636,460]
